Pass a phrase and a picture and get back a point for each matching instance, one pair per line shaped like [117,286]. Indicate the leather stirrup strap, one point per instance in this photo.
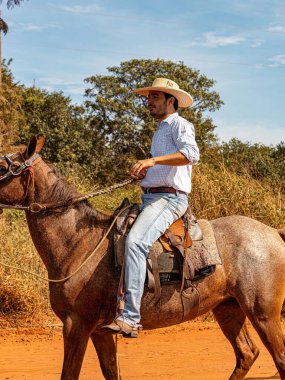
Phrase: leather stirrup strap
[151,284]
[121,289]
[155,271]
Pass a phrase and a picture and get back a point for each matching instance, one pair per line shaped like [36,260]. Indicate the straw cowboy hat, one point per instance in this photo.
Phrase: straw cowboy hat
[170,87]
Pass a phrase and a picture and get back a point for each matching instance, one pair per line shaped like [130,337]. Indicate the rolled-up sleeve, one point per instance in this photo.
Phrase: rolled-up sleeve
[183,135]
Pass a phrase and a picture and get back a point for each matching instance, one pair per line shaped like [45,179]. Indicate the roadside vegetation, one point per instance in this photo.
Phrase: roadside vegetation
[93,144]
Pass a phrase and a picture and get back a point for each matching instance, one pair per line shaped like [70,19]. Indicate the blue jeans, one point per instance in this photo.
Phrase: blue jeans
[158,212]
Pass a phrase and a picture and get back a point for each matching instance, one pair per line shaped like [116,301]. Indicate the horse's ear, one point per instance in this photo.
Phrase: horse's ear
[35,146]
[40,144]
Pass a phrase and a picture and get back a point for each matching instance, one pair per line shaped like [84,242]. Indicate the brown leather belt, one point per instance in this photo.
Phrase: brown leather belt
[152,190]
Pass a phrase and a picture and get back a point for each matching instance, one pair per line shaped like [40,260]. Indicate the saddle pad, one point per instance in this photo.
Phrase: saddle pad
[205,253]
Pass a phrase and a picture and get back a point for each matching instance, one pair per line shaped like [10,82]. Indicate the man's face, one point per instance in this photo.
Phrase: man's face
[158,105]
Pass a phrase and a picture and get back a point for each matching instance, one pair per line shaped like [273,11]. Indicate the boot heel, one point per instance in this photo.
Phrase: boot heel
[132,334]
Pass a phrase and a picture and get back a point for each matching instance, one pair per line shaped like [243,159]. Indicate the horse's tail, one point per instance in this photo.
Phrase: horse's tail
[281,232]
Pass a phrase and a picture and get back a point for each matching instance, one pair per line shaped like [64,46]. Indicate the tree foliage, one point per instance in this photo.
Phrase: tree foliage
[11,3]
[259,161]
[121,121]
[11,114]
[63,124]
[3,26]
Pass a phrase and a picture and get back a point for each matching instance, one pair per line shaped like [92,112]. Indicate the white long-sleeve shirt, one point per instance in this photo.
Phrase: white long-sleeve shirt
[174,134]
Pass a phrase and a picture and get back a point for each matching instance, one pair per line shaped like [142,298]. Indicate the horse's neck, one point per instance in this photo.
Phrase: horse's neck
[63,239]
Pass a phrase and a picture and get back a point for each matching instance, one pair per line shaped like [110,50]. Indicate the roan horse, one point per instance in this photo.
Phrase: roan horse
[250,283]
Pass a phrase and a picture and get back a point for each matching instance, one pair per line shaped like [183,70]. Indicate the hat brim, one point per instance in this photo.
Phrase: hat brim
[184,99]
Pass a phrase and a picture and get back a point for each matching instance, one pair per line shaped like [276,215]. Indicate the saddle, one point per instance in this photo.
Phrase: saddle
[179,256]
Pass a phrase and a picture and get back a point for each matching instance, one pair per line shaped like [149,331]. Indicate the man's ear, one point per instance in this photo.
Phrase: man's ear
[35,146]
[172,100]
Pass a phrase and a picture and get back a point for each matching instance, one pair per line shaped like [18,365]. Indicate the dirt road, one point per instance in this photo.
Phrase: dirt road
[191,351]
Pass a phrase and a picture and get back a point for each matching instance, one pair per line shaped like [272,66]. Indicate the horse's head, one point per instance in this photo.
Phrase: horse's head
[16,171]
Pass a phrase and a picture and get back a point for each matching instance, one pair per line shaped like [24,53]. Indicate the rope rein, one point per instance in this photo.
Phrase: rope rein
[27,166]
[37,207]
[84,262]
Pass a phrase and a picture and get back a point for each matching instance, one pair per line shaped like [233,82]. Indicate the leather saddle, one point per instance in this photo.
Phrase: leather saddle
[168,260]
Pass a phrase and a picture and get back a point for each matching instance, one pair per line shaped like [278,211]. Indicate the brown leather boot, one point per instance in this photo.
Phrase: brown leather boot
[118,326]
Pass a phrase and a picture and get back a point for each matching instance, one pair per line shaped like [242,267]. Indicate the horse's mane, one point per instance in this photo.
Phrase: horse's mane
[62,192]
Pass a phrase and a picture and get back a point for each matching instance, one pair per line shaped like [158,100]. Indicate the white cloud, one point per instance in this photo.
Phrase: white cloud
[276,29]
[81,8]
[53,81]
[246,132]
[259,66]
[75,90]
[210,39]
[34,27]
[70,88]
[31,27]
[277,60]
[256,43]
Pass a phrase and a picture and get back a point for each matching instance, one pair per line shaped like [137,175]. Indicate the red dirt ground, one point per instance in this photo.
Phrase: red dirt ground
[193,350]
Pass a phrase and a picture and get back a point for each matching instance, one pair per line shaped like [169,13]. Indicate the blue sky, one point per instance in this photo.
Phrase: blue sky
[239,43]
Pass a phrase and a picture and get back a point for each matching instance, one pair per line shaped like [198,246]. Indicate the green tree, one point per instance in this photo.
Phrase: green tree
[261,162]
[63,124]
[11,113]
[121,121]
[3,29]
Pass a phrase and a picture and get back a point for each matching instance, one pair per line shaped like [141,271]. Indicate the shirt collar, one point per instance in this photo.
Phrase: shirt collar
[169,119]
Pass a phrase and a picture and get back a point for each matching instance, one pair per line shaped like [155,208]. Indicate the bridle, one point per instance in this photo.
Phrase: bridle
[19,168]
[27,165]
[15,169]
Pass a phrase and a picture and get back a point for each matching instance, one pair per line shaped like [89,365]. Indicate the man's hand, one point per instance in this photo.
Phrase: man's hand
[138,170]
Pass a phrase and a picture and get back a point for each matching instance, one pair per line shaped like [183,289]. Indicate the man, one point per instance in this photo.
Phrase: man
[165,179]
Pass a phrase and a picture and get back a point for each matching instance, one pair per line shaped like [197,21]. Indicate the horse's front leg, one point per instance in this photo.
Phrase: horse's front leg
[106,351]
[75,337]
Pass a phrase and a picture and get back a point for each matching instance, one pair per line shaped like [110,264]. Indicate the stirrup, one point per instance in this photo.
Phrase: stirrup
[121,327]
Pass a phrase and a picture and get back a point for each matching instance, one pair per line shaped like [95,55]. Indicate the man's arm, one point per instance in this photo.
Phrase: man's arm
[138,170]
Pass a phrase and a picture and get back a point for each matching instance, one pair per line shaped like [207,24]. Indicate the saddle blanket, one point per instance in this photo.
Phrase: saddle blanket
[202,255]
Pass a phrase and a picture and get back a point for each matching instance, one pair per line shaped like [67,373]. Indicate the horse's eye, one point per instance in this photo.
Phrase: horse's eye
[3,170]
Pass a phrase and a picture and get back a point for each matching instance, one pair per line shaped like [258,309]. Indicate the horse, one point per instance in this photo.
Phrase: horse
[249,284]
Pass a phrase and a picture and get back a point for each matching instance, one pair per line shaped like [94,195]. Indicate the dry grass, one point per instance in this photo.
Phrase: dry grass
[215,193]
[22,297]
[220,192]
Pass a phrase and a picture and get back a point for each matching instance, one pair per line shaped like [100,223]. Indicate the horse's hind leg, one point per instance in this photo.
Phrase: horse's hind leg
[232,322]
[268,326]
[106,351]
